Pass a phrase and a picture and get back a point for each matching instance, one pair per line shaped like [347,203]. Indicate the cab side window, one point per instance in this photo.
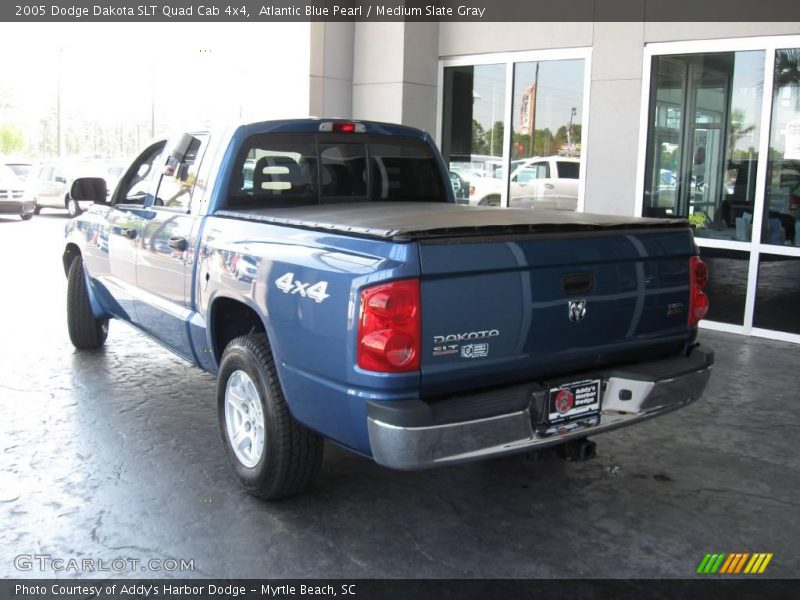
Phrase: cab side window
[136,185]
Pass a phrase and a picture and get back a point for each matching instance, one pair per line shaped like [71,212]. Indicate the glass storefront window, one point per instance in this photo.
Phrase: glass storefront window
[782,201]
[703,137]
[473,129]
[778,293]
[546,134]
[541,166]
[727,284]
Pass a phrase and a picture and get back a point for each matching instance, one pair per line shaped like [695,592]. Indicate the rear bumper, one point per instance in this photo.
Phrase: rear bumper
[400,438]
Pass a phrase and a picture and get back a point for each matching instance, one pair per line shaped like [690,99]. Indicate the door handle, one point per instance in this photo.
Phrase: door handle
[549,186]
[129,232]
[178,243]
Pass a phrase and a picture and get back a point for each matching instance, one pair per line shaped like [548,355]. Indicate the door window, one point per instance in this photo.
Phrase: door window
[136,186]
[533,171]
[177,182]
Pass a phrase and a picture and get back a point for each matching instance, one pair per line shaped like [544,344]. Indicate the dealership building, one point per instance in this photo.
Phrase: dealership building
[698,120]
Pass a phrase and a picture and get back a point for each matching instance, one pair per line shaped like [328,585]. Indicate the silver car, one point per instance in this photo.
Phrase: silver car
[12,195]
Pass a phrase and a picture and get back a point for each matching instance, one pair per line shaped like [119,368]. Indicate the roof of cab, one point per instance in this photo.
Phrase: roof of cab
[312,124]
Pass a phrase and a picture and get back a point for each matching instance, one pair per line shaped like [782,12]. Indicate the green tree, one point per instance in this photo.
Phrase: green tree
[11,138]
[479,143]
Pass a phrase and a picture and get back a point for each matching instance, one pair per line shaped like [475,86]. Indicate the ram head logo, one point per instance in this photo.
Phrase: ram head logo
[577,310]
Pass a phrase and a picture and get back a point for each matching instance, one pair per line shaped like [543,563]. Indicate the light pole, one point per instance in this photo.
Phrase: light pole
[572,114]
[59,136]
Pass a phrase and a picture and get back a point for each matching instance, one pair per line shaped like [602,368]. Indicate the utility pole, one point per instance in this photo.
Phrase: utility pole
[59,136]
[572,114]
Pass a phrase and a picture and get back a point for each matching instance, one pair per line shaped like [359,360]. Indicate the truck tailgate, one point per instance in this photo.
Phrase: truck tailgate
[539,306]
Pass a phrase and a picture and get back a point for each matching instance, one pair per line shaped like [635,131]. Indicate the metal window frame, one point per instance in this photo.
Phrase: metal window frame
[768,44]
[510,59]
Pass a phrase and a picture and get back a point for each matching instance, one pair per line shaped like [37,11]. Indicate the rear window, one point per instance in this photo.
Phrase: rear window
[288,170]
[568,170]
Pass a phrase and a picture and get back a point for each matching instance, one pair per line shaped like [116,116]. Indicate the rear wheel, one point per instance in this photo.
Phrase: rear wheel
[86,331]
[272,454]
[490,201]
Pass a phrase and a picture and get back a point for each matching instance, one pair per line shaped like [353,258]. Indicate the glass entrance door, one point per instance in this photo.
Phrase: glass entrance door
[702,146]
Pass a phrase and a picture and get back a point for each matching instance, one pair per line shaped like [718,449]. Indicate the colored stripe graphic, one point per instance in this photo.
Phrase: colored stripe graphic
[734,563]
[727,564]
[718,563]
[767,558]
[740,564]
[703,563]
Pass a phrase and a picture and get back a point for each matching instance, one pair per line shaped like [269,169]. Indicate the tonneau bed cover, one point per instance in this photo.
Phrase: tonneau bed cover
[406,221]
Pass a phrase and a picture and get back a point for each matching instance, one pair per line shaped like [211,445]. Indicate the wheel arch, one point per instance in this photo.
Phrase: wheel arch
[229,318]
[70,253]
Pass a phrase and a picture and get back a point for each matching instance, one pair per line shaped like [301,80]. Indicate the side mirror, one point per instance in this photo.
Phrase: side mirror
[92,189]
[60,179]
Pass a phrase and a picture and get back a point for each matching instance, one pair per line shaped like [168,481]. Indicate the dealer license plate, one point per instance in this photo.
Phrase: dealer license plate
[572,400]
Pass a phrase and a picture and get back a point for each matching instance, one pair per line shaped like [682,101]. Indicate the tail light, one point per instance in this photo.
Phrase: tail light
[388,327]
[472,190]
[698,300]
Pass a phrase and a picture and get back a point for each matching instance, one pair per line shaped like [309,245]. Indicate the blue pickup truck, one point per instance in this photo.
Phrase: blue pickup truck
[323,270]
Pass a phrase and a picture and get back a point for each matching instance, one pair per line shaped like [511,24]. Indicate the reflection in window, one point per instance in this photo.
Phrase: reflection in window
[782,203]
[727,284]
[703,140]
[276,170]
[778,293]
[473,130]
[546,115]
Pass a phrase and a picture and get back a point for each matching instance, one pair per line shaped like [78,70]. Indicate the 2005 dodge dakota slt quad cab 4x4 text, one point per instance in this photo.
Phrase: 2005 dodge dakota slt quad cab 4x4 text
[323,271]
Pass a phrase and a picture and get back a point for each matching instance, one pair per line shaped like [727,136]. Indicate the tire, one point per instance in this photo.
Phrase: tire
[37,209]
[490,201]
[73,208]
[289,455]
[86,331]
[26,216]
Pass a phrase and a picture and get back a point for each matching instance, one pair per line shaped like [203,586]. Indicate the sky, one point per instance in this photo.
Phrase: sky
[190,72]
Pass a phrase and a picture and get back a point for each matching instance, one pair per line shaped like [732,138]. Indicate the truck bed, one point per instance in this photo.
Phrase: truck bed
[407,221]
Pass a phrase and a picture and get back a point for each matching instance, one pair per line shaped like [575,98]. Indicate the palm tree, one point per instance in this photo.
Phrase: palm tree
[787,68]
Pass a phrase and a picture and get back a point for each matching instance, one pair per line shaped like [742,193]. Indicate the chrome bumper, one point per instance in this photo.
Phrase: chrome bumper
[410,448]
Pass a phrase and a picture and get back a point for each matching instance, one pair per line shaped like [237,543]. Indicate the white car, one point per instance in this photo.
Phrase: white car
[549,182]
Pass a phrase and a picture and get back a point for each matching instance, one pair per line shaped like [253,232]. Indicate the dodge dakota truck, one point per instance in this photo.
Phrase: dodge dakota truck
[323,271]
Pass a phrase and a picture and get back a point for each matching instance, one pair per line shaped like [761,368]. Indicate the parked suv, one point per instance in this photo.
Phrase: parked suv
[49,184]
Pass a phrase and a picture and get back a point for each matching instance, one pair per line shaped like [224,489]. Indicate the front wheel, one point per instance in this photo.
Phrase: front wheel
[272,454]
[73,208]
[86,332]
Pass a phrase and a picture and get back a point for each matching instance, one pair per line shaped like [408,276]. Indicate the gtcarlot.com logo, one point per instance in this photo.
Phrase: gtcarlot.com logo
[721,563]
[48,562]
